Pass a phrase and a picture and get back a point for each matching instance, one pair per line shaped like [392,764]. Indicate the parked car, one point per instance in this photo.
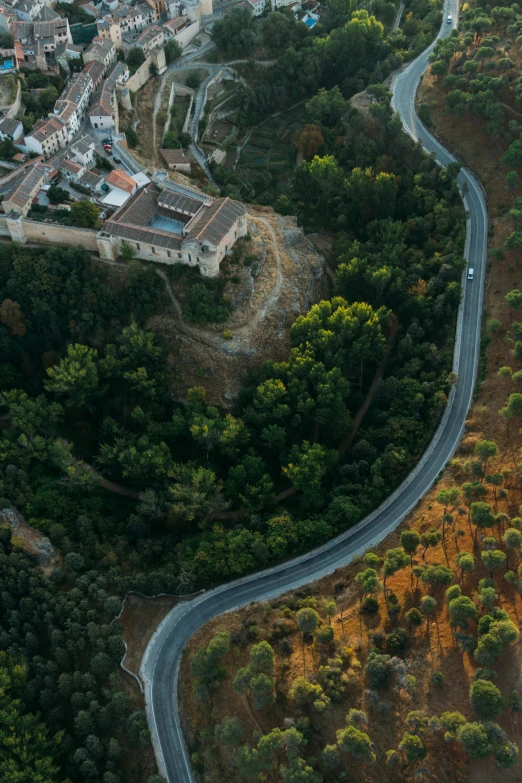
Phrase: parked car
[116,160]
[106,141]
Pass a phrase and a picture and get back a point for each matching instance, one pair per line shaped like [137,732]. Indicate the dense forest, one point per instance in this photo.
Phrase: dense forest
[86,386]
[86,399]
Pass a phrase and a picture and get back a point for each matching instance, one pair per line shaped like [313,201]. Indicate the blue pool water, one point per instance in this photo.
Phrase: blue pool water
[166,224]
[310,22]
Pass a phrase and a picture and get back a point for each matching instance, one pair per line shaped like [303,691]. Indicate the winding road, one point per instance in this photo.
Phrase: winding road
[161,662]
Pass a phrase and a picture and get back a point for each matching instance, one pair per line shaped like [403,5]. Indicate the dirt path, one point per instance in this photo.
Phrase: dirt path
[157,106]
[207,335]
[117,489]
[511,109]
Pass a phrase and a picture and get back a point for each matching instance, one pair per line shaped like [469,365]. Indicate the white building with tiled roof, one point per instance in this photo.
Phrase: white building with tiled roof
[173,227]
[73,103]
[103,114]
[26,10]
[11,129]
[19,197]
[151,38]
[83,151]
[102,50]
[47,137]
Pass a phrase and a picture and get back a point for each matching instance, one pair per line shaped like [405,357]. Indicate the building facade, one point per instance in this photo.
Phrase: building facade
[171,227]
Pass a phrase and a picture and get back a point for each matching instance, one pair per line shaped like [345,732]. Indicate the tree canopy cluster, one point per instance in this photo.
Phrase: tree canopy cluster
[337,669]
[64,713]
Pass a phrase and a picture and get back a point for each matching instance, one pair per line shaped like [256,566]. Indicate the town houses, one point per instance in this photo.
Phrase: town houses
[158,219]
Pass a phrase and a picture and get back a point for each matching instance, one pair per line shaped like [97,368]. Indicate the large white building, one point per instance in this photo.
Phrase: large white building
[101,50]
[73,103]
[47,137]
[171,227]
[103,114]
[259,7]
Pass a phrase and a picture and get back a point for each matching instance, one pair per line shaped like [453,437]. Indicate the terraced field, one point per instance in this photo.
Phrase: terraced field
[268,159]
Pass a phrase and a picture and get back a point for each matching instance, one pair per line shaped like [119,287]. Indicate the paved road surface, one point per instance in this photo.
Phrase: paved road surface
[160,665]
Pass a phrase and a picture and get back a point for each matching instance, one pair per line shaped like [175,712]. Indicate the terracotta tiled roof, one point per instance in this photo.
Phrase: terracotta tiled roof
[214,223]
[172,157]
[120,179]
[22,189]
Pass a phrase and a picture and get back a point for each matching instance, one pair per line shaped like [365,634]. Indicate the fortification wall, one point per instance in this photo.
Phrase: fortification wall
[53,234]
[188,34]
[142,75]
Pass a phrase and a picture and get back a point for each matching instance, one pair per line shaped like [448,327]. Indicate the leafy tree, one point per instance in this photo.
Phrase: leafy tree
[330,609]
[462,610]
[413,747]
[485,449]
[513,243]
[394,560]
[76,376]
[513,408]
[135,58]
[393,759]
[276,29]
[305,693]
[57,195]
[307,621]
[493,559]
[299,771]
[486,700]
[172,50]
[512,158]
[11,316]
[431,538]
[257,677]
[378,669]
[6,41]
[410,541]
[512,538]
[328,107]
[414,618]
[309,140]
[307,467]
[330,756]
[437,576]
[205,665]
[357,743]
[506,754]
[466,562]
[85,214]
[237,34]
[482,516]
[131,135]
[28,752]
[324,634]
[368,581]
[262,658]
[451,722]
[474,740]
[427,605]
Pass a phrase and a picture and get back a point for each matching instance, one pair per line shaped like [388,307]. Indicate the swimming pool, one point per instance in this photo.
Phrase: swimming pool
[310,22]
